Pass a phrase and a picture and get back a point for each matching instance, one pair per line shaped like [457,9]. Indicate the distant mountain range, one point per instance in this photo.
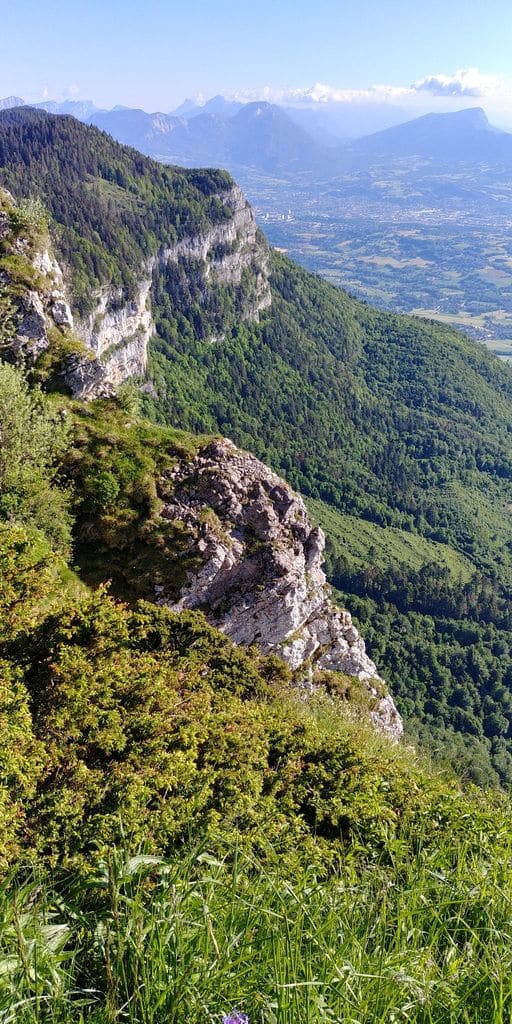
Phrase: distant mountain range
[280,141]
[465,136]
[266,138]
[81,109]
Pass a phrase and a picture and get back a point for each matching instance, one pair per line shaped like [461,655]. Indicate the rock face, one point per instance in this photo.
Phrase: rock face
[117,332]
[231,252]
[260,579]
[36,307]
[227,251]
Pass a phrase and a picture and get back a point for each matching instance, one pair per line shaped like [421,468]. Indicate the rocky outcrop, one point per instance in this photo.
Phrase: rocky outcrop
[86,377]
[38,305]
[260,578]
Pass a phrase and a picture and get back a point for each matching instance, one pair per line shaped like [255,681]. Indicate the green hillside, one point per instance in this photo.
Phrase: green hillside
[398,423]
[405,427]
[179,834]
[361,542]
[184,839]
[132,722]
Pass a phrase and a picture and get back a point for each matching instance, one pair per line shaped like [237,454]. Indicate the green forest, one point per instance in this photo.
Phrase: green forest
[396,423]
[183,837]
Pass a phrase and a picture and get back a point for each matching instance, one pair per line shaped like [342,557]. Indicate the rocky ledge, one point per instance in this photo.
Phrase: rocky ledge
[34,285]
[260,577]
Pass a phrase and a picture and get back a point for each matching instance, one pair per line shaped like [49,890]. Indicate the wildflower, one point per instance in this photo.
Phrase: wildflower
[235,1017]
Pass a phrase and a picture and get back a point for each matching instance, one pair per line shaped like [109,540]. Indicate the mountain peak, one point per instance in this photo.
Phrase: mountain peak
[474,116]
[469,118]
[11,101]
[462,136]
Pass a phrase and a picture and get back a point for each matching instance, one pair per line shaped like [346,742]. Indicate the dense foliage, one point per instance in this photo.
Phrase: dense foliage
[33,439]
[153,726]
[404,428]
[112,207]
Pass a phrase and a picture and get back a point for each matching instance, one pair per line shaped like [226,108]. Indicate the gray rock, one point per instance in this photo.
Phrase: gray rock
[86,378]
[260,580]
[31,338]
[61,314]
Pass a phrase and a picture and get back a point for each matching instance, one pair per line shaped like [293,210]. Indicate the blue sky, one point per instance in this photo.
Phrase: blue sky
[155,53]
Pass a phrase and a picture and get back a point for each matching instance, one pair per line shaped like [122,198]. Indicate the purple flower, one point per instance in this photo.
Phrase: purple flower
[235,1017]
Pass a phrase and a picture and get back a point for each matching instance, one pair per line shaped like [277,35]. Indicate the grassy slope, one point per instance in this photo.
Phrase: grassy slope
[389,546]
[423,938]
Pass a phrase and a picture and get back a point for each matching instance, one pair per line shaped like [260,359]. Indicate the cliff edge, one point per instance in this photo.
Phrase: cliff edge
[259,576]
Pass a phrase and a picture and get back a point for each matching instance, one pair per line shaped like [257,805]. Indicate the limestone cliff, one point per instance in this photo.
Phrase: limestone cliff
[260,578]
[116,333]
[231,252]
[31,284]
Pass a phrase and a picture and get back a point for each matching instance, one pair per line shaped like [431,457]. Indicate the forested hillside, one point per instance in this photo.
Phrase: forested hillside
[110,205]
[404,428]
[131,722]
[398,429]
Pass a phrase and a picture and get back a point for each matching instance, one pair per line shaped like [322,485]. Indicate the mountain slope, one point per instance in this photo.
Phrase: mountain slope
[465,136]
[259,135]
[145,132]
[395,421]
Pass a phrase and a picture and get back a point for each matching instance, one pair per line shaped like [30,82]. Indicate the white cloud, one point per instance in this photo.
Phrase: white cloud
[464,82]
[463,85]
[71,92]
[324,94]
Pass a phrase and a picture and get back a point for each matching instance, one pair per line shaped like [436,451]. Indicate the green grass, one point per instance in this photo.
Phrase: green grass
[390,547]
[422,938]
[121,466]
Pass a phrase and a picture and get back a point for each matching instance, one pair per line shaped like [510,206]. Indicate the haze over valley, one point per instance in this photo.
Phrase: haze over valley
[415,217]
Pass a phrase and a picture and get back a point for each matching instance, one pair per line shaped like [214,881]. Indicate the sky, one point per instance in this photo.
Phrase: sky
[440,54]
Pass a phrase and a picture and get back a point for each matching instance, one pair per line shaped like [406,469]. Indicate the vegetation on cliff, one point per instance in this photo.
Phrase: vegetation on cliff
[397,428]
[141,724]
[111,207]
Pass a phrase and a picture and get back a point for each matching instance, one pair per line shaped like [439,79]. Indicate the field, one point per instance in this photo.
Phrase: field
[435,246]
